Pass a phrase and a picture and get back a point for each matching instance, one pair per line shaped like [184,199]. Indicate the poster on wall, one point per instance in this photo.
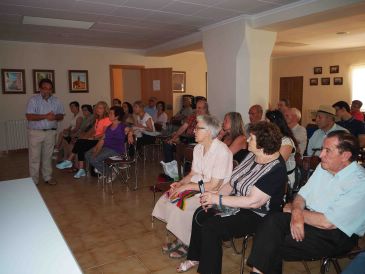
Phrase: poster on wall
[78,81]
[178,81]
[39,74]
[13,81]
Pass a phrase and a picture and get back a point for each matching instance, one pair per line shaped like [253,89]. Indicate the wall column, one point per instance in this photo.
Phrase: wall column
[238,62]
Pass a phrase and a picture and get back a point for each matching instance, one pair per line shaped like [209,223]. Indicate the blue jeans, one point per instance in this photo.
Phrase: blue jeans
[357,266]
[97,161]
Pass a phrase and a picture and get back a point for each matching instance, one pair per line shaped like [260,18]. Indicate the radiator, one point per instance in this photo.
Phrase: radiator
[13,135]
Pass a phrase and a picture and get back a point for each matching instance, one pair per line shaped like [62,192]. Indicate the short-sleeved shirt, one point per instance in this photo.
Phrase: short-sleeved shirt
[340,197]
[152,112]
[101,125]
[38,105]
[290,163]
[358,115]
[162,119]
[270,178]
[114,138]
[355,127]
[300,134]
[215,163]
[316,141]
[192,122]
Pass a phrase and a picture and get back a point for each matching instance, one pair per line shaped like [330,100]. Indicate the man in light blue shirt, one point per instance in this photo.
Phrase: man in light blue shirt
[43,113]
[326,217]
[151,108]
[325,120]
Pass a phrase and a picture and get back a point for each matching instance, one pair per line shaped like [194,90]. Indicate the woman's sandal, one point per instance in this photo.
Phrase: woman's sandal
[186,266]
[170,247]
[179,253]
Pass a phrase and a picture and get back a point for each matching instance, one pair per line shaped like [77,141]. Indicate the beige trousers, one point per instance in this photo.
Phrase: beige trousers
[41,144]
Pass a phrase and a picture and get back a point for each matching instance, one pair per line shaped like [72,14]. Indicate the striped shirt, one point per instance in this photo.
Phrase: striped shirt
[37,105]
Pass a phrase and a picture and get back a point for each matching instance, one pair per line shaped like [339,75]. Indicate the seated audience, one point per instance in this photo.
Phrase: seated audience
[73,130]
[232,134]
[212,163]
[143,125]
[256,189]
[113,142]
[162,118]
[288,143]
[185,112]
[326,217]
[356,110]
[355,127]
[255,115]
[283,105]
[87,119]
[89,140]
[292,117]
[186,131]
[325,120]
[129,118]
[151,108]
[116,102]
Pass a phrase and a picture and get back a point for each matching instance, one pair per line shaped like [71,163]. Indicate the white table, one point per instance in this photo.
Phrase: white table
[30,241]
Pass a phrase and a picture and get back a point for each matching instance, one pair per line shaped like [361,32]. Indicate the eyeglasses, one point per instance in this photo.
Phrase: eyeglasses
[199,128]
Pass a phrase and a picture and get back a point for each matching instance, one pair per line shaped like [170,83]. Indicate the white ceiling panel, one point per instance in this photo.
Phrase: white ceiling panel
[97,8]
[217,14]
[202,2]
[135,13]
[246,6]
[147,4]
[183,8]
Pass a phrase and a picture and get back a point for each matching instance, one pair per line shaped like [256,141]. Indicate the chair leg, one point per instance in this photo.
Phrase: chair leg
[306,267]
[243,252]
[336,265]
[324,265]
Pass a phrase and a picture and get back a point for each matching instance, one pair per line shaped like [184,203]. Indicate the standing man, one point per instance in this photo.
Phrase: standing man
[292,117]
[43,113]
[325,219]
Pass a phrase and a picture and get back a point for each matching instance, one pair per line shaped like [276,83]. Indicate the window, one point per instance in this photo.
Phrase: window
[358,85]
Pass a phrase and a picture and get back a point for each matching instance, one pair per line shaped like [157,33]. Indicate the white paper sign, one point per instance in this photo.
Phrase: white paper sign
[156,85]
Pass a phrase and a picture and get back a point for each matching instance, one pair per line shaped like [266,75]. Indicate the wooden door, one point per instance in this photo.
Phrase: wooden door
[291,88]
[157,82]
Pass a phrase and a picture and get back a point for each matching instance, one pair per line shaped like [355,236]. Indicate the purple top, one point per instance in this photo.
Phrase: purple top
[114,138]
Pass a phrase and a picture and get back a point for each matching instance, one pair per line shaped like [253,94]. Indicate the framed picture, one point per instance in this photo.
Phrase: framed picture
[39,74]
[78,81]
[317,70]
[334,69]
[178,81]
[13,81]
[325,81]
[337,81]
[313,81]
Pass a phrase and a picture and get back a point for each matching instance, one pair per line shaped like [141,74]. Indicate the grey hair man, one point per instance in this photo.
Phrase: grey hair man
[292,117]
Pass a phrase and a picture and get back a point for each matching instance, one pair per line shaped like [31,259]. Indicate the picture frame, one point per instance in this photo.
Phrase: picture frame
[78,81]
[317,70]
[338,81]
[179,81]
[13,81]
[325,81]
[39,74]
[313,81]
[334,69]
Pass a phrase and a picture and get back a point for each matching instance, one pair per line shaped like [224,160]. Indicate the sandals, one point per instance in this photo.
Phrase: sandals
[186,266]
[170,247]
[179,253]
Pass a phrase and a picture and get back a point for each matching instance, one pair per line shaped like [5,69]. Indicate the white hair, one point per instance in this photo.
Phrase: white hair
[297,113]
[212,124]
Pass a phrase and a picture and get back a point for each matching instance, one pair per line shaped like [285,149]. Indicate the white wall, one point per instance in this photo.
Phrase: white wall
[61,58]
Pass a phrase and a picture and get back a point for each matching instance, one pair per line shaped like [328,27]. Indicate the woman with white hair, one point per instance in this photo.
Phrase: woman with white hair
[212,163]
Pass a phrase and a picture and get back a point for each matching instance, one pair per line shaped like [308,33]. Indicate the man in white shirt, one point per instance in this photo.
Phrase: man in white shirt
[292,117]
[255,115]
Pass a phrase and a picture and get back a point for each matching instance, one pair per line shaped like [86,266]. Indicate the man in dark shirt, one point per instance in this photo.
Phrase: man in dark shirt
[355,127]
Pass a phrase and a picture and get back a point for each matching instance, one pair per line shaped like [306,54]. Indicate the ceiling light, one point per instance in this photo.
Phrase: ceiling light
[52,22]
[342,32]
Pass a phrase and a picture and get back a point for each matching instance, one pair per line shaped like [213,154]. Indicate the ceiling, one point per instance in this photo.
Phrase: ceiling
[147,24]
[135,24]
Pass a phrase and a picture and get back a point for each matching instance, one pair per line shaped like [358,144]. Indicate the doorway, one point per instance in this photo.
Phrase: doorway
[291,88]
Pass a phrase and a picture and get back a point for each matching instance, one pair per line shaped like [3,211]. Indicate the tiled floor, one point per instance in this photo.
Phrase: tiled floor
[114,233]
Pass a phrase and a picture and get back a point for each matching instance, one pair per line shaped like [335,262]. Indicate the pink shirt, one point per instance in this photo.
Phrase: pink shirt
[101,125]
[216,163]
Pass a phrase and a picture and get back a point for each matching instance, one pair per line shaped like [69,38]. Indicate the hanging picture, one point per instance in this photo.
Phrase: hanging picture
[337,81]
[13,81]
[325,81]
[313,81]
[178,81]
[317,70]
[39,74]
[334,69]
[78,81]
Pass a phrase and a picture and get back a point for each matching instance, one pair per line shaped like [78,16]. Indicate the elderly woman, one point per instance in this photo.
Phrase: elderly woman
[232,134]
[89,139]
[256,189]
[288,143]
[212,163]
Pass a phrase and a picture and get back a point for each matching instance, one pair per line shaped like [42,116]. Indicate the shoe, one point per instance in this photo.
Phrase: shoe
[179,253]
[113,177]
[170,247]
[97,171]
[51,182]
[64,164]
[80,173]
[186,266]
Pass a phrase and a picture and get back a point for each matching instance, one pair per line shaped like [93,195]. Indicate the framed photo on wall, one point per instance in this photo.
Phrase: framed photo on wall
[13,81]
[325,81]
[178,81]
[78,81]
[338,81]
[317,70]
[313,81]
[39,74]
[334,69]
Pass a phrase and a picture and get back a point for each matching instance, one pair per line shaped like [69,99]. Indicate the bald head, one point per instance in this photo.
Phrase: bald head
[255,114]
